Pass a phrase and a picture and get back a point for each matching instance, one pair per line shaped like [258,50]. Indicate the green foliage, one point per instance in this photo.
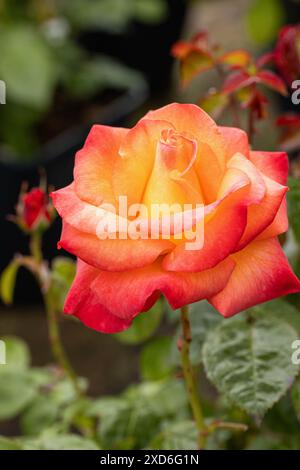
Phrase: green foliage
[27,66]
[17,354]
[17,390]
[7,282]
[62,275]
[17,387]
[177,436]
[295,394]
[248,358]
[264,19]
[155,359]
[113,15]
[293,198]
[134,418]
[143,326]
[94,75]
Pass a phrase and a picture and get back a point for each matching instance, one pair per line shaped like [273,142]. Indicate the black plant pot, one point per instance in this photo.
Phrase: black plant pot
[57,159]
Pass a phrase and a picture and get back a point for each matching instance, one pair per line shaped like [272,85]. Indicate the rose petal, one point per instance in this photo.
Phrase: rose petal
[275,165]
[223,228]
[261,215]
[262,273]
[236,141]
[134,164]
[210,163]
[94,164]
[95,296]
[112,255]
[82,303]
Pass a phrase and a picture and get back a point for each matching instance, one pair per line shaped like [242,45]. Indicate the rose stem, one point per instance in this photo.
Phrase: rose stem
[189,376]
[58,351]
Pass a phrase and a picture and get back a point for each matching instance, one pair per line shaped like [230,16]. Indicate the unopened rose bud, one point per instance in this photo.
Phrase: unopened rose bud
[34,210]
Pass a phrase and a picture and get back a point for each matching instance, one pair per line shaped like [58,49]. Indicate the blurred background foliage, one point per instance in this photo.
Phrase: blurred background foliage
[131,389]
[42,59]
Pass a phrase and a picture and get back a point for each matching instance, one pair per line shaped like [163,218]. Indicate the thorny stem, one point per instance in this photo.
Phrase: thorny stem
[189,377]
[58,351]
[204,430]
[38,269]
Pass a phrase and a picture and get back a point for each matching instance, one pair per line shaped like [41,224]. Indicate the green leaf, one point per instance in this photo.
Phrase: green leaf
[143,326]
[17,354]
[40,415]
[108,15]
[95,75]
[280,309]
[214,103]
[264,19]
[17,390]
[248,358]
[10,444]
[295,394]
[62,275]
[293,199]
[114,15]
[155,359]
[7,282]
[177,436]
[135,417]
[67,442]
[266,443]
[27,66]
[150,11]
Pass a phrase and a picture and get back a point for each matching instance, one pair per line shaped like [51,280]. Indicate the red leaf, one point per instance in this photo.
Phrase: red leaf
[181,49]
[237,59]
[237,80]
[271,80]
[265,59]
[287,53]
[194,56]
[288,120]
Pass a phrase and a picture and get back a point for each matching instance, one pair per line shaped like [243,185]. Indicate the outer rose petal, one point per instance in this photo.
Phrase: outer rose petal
[262,273]
[260,216]
[112,255]
[95,296]
[275,165]
[210,163]
[81,302]
[94,164]
[81,215]
[236,140]
[279,225]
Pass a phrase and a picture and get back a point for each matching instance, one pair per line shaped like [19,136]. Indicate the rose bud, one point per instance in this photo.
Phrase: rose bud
[34,210]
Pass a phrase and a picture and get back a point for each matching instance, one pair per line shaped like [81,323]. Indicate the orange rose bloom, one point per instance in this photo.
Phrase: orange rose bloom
[175,155]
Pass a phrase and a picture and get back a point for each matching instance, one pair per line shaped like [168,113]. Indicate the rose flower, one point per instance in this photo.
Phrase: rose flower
[174,155]
[33,210]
